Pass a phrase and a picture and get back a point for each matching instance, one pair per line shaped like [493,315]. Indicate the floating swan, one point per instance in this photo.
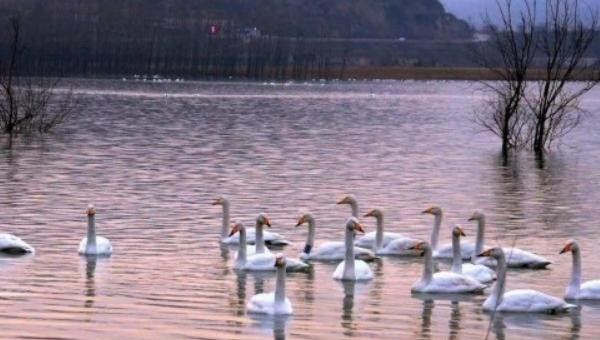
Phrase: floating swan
[259,246]
[92,244]
[350,200]
[442,282]
[10,244]
[273,303]
[479,272]
[259,262]
[269,237]
[351,269]
[576,290]
[388,243]
[517,258]
[445,251]
[518,300]
[330,250]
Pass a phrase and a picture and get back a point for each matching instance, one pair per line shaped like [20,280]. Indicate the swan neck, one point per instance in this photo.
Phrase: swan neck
[379,233]
[575,281]
[480,239]
[498,292]
[354,206]
[435,233]
[91,234]
[259,239]
[456,255]
[310,239]
[280,285]
[428,269]
[349,273]
[225,225]
[241,256]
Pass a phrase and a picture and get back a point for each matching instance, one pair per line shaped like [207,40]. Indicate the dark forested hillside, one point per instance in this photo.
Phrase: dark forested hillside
[216,37]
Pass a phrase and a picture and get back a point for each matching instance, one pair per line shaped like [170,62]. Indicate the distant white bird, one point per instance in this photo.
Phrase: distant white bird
[519,300]
[329,250]
[269,237]
[516,258]
[589,290]
[10,244]
[351,269]
[93,244]
[442,282]
[275,303]
[387,243]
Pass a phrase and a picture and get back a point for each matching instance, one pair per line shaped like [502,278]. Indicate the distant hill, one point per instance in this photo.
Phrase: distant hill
[412,19]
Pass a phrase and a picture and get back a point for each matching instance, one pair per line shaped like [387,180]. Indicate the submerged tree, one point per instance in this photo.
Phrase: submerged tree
[508,56]
[563,42]
[27,104]
[534,101]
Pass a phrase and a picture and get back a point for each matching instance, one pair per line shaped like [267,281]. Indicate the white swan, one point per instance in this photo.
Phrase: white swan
[269,237]
[386,243]
[479,272]
[10,244]
[273,303]
[445,251]
[351,269]
[518,300]
[589,290]
[259,262]
[517,258]
[350,200]
[330,250]
[92,244]
[442,282]
[259,246]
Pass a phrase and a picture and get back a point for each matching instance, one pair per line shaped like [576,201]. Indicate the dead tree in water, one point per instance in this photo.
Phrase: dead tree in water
[26,103]
[563,42]
[509,56]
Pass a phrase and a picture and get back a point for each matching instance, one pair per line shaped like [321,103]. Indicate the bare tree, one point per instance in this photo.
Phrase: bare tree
[508,56]
[27,104]
[563,42]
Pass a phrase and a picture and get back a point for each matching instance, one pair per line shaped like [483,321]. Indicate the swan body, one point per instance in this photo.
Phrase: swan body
[275,303]
[351,269]
[261,261]
[396,244]
[251,250]
[93,244]
[445,251]
[576,290]
[368,240]
[519,300]
[442,282]
[515,257]
[10,244]
[269,237]
[478,272]
[330,250]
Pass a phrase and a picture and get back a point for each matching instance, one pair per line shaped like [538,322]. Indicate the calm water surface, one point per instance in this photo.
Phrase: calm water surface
[152,163]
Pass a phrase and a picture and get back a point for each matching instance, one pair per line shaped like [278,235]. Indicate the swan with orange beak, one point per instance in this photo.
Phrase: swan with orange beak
[351,269]
[589,290]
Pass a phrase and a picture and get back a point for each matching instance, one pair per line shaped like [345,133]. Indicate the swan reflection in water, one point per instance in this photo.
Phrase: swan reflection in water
[351,290]
[455,314]
[505,321]
[90,284]
[277,323]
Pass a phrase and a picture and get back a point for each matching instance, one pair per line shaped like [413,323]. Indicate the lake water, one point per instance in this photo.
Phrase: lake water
[152,157]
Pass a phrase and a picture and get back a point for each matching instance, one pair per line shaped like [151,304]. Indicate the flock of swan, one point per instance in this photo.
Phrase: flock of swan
[483,265]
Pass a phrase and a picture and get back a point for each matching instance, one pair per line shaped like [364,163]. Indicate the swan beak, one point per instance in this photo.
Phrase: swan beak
[369,214]
[427,211]
[300,222]
[485,253]
[90,211]
[461,231]
[216,202]
[234,229]
[358,227]
[267,222]
[471,219]
[343,201]
[566,248]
